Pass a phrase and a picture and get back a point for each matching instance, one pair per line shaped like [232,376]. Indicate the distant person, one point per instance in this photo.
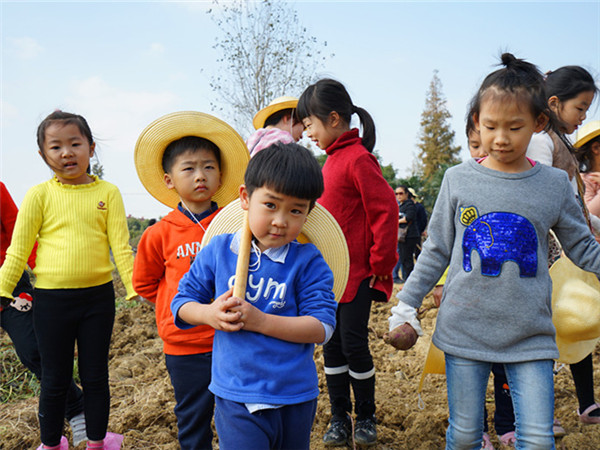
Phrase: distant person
[486,230]
[277,122]
[407,219]
[362,202]
[74,295]
[168,248]
[263,374]
[421,219]
[570,91]
[16,318]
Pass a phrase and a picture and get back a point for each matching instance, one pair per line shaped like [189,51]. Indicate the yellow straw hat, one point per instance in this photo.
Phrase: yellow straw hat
[320,229]
[575,310]
[279,104]
[587,132]
[155,138]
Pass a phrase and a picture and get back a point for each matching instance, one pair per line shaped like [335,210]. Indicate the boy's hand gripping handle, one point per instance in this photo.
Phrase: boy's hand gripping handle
[241,269]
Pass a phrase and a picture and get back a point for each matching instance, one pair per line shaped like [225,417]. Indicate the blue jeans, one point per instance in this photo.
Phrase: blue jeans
[532,388]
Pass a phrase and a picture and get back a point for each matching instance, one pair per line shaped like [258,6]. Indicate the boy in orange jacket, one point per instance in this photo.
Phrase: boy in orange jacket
[192,152]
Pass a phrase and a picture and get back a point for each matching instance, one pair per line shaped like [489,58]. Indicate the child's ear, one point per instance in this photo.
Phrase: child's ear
[596,147]
[475,118]
[92,149]
[169,181]
[554,103]
[541,122]
[334,119]
[244,197]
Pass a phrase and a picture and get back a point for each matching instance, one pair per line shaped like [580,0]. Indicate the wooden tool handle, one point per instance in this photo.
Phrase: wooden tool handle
[241,269]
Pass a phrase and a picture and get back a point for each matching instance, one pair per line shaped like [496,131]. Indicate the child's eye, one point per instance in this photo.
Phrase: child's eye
[270,205]
[488,128]
[209,167]
[296,211]
[515,128]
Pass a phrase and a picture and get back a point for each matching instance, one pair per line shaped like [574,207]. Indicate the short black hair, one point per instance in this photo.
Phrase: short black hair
[188,144]
[274,118]
[289,169]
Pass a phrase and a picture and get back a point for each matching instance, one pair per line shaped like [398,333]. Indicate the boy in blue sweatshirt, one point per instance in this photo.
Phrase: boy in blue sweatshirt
[263,374]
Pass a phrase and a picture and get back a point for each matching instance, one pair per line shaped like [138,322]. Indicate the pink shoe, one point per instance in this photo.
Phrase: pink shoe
[64,444]
[112,441]
[508,439]
[585,417]
[557,429]
[486,443]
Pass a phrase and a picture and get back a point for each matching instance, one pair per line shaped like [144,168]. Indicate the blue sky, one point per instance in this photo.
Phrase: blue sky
[123,64]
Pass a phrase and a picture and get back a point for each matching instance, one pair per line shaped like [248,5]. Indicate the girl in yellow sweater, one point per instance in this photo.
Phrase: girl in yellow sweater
[77,220]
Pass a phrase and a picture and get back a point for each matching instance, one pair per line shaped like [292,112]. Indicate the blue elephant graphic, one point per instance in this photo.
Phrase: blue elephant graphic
[500,237]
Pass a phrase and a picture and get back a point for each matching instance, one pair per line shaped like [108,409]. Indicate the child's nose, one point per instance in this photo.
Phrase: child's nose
[279,220]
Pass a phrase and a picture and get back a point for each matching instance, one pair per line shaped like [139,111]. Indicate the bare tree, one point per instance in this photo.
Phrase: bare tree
[264,53]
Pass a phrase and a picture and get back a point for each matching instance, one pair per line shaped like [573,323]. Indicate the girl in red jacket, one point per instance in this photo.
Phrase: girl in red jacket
[363,203]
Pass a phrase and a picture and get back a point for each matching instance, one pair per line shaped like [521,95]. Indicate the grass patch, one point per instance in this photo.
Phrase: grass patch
[16,382]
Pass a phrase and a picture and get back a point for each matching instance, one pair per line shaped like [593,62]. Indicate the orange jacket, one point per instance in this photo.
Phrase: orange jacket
[165,253]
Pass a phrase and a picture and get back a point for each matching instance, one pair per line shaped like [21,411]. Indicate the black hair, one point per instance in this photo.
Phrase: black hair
[274,118]
[63,118]
[470,127]
[583,154]
[568,82]
[188,144]
[289,169]
[326,96]
[518,79]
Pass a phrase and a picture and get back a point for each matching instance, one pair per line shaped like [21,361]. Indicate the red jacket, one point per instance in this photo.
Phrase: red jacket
[364,205]
[165,253]
[9,210]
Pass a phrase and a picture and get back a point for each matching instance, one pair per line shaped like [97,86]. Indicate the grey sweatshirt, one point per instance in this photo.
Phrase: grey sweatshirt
[491,228]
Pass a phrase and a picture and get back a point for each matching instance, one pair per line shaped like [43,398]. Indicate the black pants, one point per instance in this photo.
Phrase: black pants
[583,377]
[406,252]
[62,317]
[504,417]
[348,360]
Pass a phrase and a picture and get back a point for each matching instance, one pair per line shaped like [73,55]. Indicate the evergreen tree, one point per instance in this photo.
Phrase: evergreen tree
[436,146]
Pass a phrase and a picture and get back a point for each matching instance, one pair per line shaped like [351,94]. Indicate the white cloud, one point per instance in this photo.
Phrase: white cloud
[25,47]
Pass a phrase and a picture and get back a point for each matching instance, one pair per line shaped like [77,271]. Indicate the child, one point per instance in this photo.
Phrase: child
[363,203]
[277,122]
[16,319]
[570,91]
[264,377]
[496,305]
[78,220]
[168,248]
[587,150]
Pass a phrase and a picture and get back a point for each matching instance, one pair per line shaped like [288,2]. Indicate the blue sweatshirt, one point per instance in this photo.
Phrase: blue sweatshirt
[492,228]
[293,280]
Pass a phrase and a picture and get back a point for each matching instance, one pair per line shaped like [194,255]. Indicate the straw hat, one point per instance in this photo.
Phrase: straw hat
[587,132]
[575,310]
[159,134]
[320,229]
[279,104]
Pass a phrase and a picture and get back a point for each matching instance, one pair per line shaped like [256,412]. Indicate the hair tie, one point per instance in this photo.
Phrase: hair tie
[354,109]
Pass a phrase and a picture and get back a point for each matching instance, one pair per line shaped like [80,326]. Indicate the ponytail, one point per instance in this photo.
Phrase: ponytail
[327,95]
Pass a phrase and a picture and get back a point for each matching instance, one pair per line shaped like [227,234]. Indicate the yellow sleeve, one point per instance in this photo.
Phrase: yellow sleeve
[27,226]
[442,280]
[118,239]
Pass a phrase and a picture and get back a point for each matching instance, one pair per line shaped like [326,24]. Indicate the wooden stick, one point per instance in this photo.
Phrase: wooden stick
[241,269]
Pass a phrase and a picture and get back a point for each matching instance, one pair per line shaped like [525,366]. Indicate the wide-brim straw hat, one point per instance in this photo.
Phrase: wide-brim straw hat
[320,228]
[587,132]
[279,104]
[155,138]
[575,310]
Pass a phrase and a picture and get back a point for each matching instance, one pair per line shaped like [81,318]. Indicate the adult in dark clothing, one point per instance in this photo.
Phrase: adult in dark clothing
[407,217]
[421,219]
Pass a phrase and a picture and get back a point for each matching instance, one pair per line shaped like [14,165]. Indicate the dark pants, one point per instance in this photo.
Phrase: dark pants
[190,377]
[62,317]
[19,327]
[406,252]
[285,428]
[504,417]
[583,377]
[348,360]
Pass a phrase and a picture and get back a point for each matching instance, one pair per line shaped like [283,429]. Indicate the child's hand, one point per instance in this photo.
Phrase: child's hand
[251,317]
[374,278]
[223,314]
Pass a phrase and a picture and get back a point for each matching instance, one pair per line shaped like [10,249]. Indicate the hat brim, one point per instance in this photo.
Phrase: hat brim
[153,141]
[320,229]
[561,272]
[261,116]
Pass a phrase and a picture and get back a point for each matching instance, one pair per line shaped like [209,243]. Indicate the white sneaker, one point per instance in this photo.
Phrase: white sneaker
[78,429]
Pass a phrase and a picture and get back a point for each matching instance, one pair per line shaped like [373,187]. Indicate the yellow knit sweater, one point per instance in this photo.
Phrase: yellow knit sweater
[76,226]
